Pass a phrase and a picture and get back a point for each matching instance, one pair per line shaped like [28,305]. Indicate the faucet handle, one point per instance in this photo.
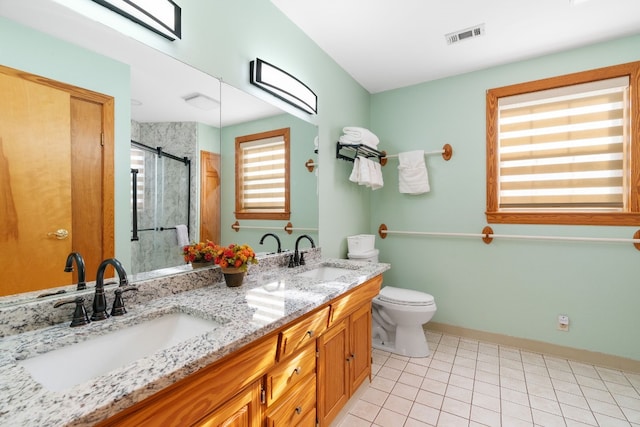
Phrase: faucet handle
[302,261]
[118,308]
[80,316]
[291,262]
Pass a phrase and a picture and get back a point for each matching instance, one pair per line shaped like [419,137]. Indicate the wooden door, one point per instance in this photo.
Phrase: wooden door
[209,196]
[243,410]
[86,183]
[360,363]
[35,185]
[333,373]
[56,172]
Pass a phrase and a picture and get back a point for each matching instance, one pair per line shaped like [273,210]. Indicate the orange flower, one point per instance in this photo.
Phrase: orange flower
[234,255]
[199,252]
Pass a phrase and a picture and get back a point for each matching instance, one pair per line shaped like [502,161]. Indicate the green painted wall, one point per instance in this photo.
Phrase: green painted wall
[303,185]
[511,287]
[40,54]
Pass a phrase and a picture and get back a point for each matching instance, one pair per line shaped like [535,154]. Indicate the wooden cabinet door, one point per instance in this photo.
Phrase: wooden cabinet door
[333,371]
[360,361]
[243,410]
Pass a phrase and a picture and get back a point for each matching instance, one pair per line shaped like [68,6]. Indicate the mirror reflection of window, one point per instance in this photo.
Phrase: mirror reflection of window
[262,175]
[137,162]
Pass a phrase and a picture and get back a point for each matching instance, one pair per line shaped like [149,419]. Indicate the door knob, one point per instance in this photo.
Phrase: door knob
[59,234]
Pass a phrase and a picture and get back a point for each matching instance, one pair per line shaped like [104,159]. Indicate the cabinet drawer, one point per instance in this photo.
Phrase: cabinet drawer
[290,372]
[297,408]
[302,333]
[344,305]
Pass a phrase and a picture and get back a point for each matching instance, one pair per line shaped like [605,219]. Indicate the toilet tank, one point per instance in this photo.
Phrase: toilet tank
[361,243]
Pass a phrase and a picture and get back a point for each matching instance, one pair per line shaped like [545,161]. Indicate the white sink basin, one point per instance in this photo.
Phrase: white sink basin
[325,273]
[74,364]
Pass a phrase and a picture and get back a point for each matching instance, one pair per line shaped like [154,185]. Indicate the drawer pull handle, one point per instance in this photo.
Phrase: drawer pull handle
[310,333]
[298,370]
[298,410]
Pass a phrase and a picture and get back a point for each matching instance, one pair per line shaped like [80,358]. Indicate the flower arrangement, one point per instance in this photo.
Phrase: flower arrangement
[234,256]
[200,252]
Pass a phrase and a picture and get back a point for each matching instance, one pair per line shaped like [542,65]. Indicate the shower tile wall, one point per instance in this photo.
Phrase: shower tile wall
[160,249]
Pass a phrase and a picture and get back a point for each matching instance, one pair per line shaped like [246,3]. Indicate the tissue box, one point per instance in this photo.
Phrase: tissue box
[361,243]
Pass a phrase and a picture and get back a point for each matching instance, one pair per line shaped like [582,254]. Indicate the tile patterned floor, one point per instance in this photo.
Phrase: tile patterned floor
[471,383]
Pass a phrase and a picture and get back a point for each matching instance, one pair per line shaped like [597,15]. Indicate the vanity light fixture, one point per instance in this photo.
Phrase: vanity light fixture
[163,17]
[278,82]
[202,102]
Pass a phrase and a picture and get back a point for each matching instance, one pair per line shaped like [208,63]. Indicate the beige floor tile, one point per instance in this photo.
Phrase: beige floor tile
[388,418]
[365,410]
[405,391]
[425,413]
[398,404]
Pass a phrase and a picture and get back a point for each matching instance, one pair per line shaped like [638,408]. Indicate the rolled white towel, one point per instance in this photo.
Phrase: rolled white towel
[412,173]
[183,235]
[361,136]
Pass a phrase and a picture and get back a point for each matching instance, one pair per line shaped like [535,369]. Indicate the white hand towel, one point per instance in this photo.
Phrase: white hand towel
[376,176]
[183,235]
[412,173]
[355,172]
[365,172]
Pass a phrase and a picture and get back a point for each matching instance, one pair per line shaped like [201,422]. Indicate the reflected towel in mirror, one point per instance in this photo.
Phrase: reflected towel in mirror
[183,235]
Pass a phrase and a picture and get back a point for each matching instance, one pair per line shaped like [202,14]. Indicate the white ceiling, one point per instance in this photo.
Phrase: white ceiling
[387,44]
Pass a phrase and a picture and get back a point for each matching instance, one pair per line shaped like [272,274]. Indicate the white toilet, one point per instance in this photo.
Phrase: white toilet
[398,316]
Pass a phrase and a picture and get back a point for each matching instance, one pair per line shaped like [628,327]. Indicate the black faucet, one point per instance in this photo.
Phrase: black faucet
[297,258]
[82,284]
[99,299]
[79,314]
[275,237]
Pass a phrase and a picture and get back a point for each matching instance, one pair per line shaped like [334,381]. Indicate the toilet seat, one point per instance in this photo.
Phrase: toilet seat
[408,297]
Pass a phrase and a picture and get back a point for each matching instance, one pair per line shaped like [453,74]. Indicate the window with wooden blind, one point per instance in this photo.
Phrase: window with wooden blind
[262,175]
[565,150]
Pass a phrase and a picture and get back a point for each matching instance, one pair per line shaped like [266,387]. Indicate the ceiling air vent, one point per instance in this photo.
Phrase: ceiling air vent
[466,34]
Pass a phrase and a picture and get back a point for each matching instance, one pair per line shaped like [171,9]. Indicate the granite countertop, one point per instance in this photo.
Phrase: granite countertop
[266,301]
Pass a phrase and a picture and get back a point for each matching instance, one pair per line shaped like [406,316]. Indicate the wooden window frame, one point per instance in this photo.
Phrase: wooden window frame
[255,214]
[631,216]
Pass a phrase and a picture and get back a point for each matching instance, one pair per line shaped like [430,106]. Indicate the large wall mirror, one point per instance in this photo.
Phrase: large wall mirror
[159,116]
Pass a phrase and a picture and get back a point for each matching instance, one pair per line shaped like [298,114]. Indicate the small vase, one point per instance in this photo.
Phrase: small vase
[233,277]
[200,264]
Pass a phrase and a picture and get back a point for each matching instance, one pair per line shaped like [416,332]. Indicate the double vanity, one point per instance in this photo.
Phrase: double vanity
[289,346]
